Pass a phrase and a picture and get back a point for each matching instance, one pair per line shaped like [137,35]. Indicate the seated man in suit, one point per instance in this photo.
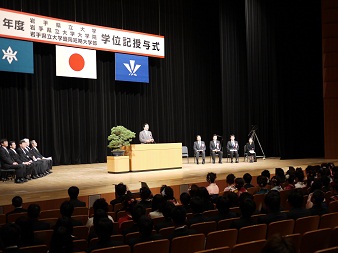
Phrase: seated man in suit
[232,147]
[44,163]
[199,148]
[146,136]
[73,193]
[33,213]
[215,148]
[36,153]
[7,162]
[17,204]
[178,215]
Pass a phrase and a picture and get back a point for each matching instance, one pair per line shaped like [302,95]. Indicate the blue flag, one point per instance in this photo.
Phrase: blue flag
[16,56]
[131,68]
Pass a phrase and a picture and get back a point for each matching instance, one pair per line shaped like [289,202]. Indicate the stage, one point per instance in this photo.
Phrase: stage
[94,179]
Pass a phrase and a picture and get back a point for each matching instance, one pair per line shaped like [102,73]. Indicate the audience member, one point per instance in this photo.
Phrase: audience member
[230,180]
[266,173]
[290,182]
[247,179]
[62,241]
[167,222]
[179,218]
[10,237]
[17,204]
[279,244]
[279,172]
[98,204]
[197,207]
[296,201]
[248,208]
[157,206]
[299,178]
[206,198]
[136,214]
[168,194]
[239,184]
[145,195]
[223,208]
[272,203]
[73,193]
[262,182]
[185,201]
[193,190]
[316,185]
[66,210]
[275,184]
[33,212]
[319,206]
[121,192]
[212,188]
[27,234]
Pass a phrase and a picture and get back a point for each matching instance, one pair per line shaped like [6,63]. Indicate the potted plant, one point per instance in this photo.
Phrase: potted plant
[119,137]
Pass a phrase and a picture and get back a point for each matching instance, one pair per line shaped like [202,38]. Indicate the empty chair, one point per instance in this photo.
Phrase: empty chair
[204,227]
[252,247]
[185,152]
[188,244]
[306,224]
[119,238]
[80,232]
[252,233]
[221,238]
[225,224]
[328,250]
[35,249]
[329,220]
[53,213]
[152,246]
[116,249]
[165,232]
[315,240]
[216,250]
[295,239]
[284,227]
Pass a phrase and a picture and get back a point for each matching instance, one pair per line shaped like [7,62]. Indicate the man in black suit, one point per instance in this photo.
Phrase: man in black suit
[44,163]
[73,193]
[33,213]
[199,148]
[36,153]
[7,162]
[23,154]
[232,147]
[215,148]
[179,216]
[17,204]
[30,170]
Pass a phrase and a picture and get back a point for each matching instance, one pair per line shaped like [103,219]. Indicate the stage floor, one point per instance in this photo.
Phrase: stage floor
[94,179]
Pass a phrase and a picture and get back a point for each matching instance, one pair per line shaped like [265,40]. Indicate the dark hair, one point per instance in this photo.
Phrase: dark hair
[230,179]
[248,207]
[145,193]
[272,201]
[211,177]
[66,209]
[17,201]
[167,208]
[193,190]
[157,203]
[299,174]
[138,212]
[223,205]
[316,185]
[10,143]
[146,225]
[185,198]
[244,196]
[247,178]
[73,192]
[196,204]
[232,197]
[318,197]
[279,172]
[279,244]
[144,124]
[291,179]
[10,234]
[239,183]
[98,215]
[61,234]
[64,222]
[178,215]
[120,189]
[2,141]
[275,181]
[266,174]
[295,198]
[104,229]
[100,204]
[167,192]
[33,211]
[21,141]
[262,181]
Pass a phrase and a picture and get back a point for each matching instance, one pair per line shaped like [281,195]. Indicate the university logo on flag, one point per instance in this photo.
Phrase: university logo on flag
[75,62]
[131,68]
[16,56]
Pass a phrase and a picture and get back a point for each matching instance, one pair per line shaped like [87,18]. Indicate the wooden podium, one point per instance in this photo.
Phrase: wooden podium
[144,157]
[117,164]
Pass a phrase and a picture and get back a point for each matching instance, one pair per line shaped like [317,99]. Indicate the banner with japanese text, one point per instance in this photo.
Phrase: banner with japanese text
[36,28]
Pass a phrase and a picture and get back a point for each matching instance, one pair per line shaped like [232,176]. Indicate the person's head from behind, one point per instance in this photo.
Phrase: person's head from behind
[248,207]
[33,211]
[197,205]
[279,244]
[299,175]
[61,234]
[239,183]
[104,229]
[203,194]
[17,201]
[178,215]
[138,212]
[295,198]
[26,228]
[291,179]
[223,205]
[185,198]
[279,172]
[128,204]
[247,178]
[266,173]
[272,201]
[275,181]
[262,181]
[157,202]
[244,196]
[145,193]
[316,185]
[167,208]
[230,179]
[318,197]
[211,177]
[232,197]
[193,190]
[98,215]
[10,235]
[167,192]
[120,190]
[73,192]
[64,222]
[67,209]
[100,204]
[145,225]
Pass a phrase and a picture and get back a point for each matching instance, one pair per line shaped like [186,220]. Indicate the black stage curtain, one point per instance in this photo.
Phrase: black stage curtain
[228,65]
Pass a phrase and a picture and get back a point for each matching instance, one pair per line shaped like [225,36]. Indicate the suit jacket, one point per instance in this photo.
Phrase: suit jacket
[77,203]
[5,157]
[217,146]
[197,147]
[230,146]
[15,156]
[250,146]
[23,156]
[143,136]
[36,153]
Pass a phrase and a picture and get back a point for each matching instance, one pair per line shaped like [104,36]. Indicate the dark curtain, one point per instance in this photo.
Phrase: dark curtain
[229,65]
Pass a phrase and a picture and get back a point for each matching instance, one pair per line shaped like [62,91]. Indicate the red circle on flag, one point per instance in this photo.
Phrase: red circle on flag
[76,62]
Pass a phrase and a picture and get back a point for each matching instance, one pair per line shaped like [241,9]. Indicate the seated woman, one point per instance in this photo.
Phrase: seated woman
[212,187]
[239,184]
[250,149]
[230,180]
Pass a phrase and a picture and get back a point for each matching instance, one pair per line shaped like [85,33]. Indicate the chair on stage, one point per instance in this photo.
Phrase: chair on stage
[185,152]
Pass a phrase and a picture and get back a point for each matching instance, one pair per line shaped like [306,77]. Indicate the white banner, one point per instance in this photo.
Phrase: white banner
[31,27]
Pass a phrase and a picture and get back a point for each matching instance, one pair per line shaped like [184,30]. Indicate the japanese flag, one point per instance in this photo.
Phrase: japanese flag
[75,62]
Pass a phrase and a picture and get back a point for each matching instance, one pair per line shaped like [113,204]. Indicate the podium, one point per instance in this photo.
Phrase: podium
[117,164]
[144,157]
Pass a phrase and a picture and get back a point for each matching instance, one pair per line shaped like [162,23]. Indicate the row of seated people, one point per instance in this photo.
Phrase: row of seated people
[25,160]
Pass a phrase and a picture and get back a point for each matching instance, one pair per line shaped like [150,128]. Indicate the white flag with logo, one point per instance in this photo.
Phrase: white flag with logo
[75,62]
